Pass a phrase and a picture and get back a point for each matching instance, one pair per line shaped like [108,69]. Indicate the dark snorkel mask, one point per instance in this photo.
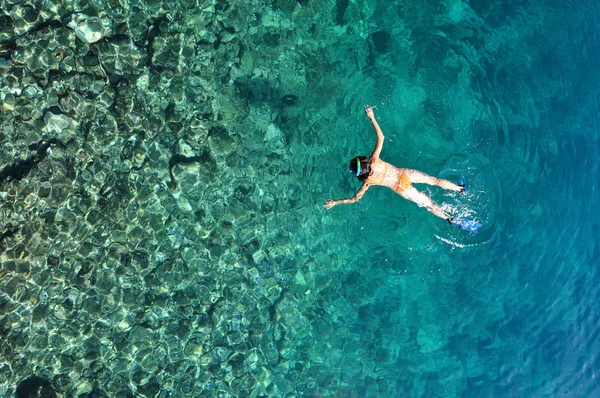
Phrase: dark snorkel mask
[357,160]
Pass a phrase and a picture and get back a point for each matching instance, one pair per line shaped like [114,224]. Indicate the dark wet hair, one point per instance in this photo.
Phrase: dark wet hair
[360,166]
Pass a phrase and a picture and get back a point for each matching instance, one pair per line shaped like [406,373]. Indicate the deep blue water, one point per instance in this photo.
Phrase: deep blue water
[508,97]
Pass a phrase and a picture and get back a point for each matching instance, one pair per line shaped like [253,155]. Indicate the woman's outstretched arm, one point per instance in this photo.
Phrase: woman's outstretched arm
[330,203]
[380,137]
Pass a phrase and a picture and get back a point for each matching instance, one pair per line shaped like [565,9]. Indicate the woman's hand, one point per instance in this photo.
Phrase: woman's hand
[330,203]
[369,112]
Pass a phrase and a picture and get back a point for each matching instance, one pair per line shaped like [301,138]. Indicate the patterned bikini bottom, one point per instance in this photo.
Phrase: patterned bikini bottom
[403,183]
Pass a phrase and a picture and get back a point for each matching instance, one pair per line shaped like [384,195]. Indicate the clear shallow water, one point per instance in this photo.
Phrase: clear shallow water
[147,274]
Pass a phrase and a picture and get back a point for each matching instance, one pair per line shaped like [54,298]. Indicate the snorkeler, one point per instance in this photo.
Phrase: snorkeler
[374,171]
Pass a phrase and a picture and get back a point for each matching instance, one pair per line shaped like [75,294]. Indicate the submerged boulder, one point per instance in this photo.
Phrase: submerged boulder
[382,41]
[35,387]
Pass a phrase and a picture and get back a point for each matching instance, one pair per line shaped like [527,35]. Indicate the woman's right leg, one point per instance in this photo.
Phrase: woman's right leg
[423,200]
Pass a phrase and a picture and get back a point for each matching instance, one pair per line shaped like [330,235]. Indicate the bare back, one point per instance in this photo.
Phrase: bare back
[388,175]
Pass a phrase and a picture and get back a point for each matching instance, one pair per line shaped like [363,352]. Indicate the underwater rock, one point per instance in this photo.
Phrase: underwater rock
[429,339]
[24,18]
[287,6]
[61,382]
[137,23]
[97,393]
[89,29]
[6,32]
[35,387]
[8,102]
[340,10]
[6,372]
[166,52]
[289,100]
[274,20]
[60,126]
[269,350]
[150,389]
[42,51]
[382,41]
[122,57]
[220,142]
[21,167]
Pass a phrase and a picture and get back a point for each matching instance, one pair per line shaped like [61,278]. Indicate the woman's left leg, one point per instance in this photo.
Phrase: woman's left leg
[423,200]
[418,177]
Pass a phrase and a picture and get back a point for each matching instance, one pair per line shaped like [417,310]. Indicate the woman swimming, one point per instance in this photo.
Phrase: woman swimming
[374,171]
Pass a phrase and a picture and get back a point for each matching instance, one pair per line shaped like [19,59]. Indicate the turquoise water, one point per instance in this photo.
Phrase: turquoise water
[163,169]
